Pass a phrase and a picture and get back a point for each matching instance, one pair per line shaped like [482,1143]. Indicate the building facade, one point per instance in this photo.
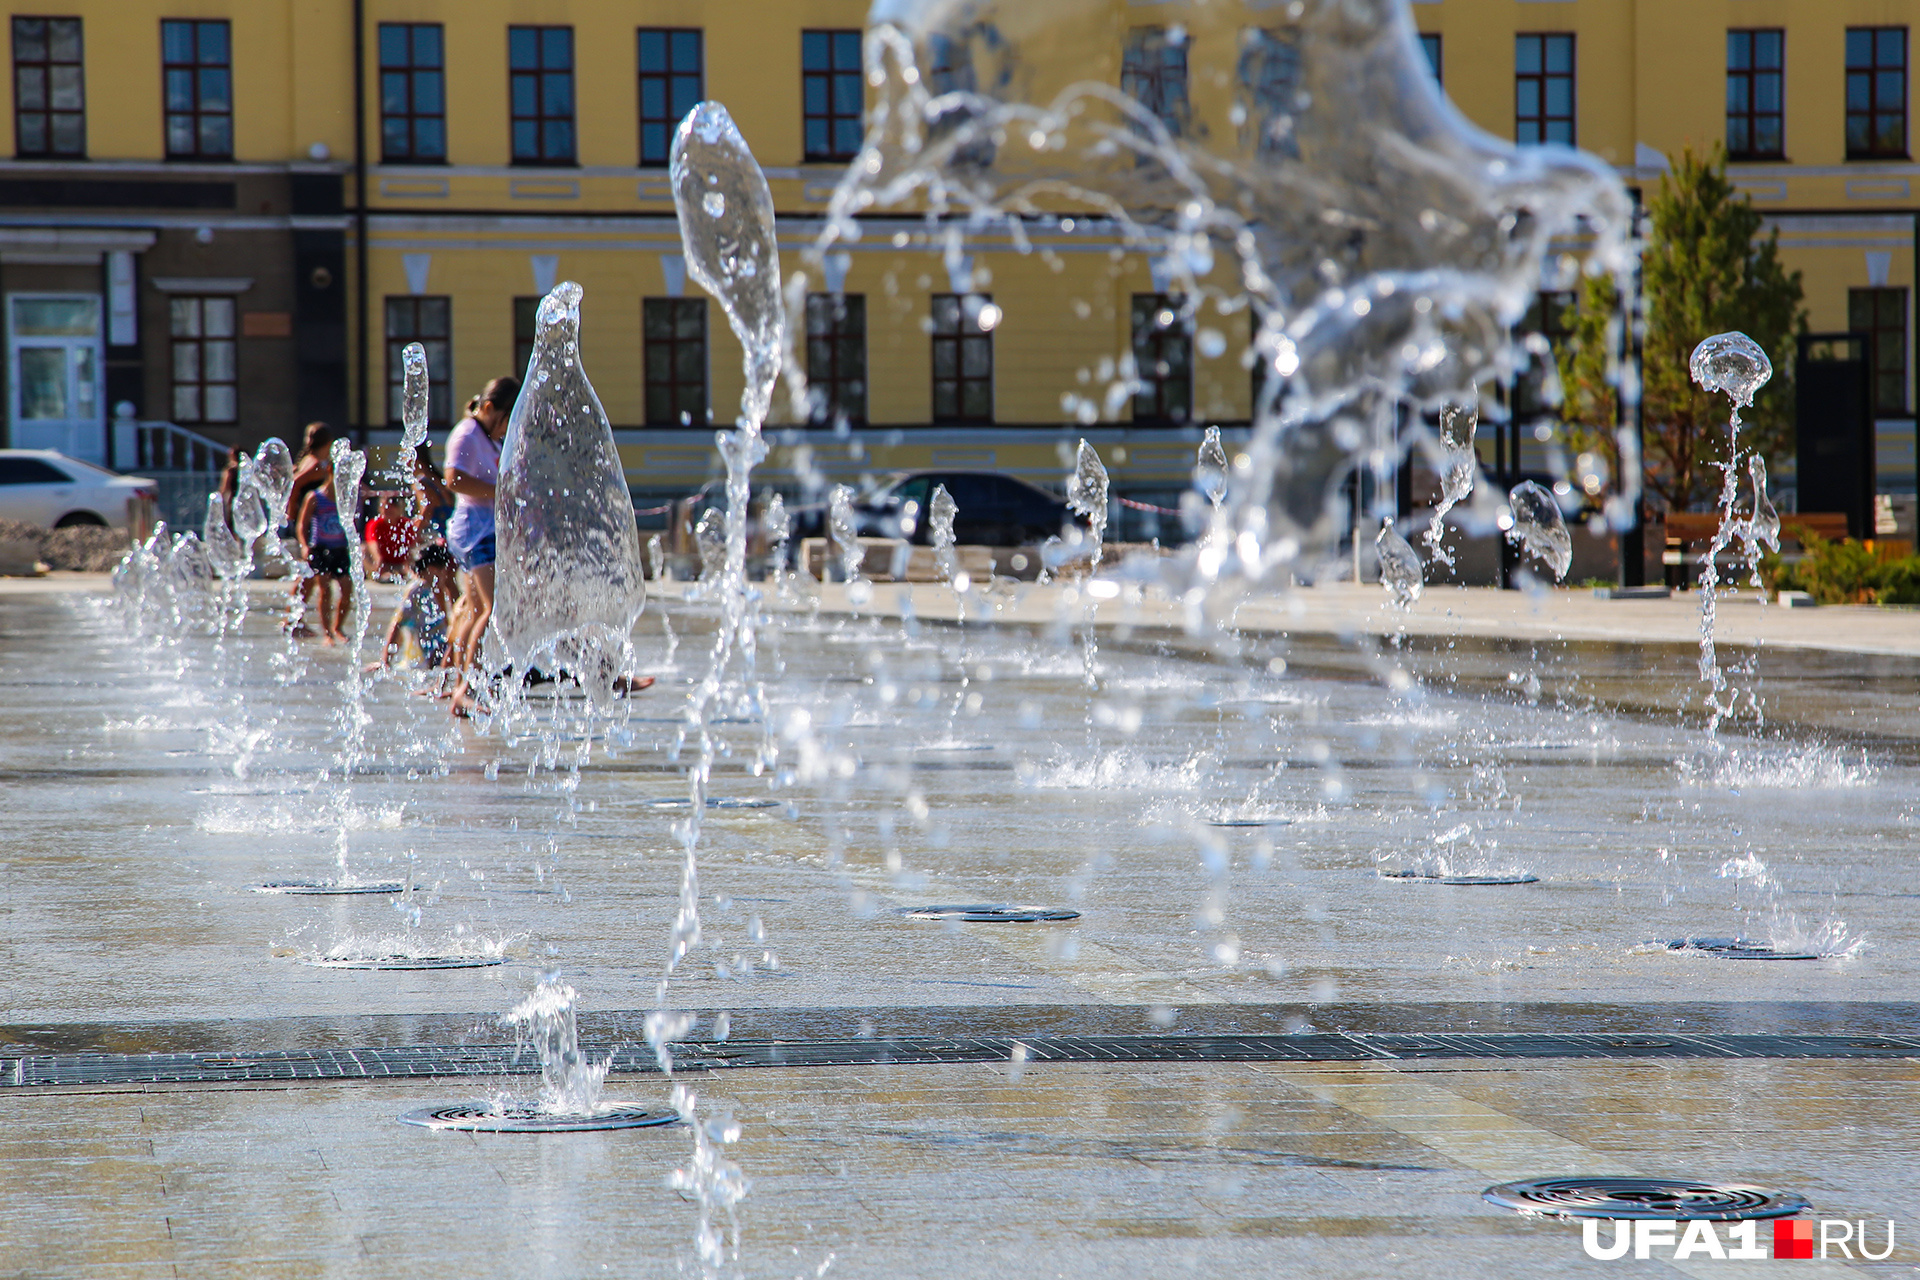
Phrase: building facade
[203,220]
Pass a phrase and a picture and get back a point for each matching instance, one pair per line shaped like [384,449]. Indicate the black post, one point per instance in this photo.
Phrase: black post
[1633,540]
[360,212]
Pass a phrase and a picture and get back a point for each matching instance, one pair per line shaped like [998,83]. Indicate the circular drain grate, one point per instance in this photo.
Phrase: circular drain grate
[716,802]
[405,962]
[329,888]
[476,1117]
[1641,1198]
[1430,877]
[989,913]
[1738,949]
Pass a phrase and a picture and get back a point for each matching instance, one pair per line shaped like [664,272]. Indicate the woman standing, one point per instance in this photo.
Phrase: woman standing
[473,468]
[313,469]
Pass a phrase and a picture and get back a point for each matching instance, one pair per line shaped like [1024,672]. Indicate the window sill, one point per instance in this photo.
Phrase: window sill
[1879,158]
[199,159]
[415,162]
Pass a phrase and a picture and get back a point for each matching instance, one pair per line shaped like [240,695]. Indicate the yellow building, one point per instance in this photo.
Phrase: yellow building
[202,222]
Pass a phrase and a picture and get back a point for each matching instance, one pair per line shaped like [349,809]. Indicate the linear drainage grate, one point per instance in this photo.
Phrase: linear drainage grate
[329,888]
[1738,949]
[1435,877]
[989,913]
[479,1117]
[675,803]
[1642,1198]
[404,962]
[424,1061]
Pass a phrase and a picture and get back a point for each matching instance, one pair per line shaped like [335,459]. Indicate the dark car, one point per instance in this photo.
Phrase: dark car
[990,510]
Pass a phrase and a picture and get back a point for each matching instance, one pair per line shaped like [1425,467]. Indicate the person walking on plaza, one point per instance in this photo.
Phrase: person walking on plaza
[473,468]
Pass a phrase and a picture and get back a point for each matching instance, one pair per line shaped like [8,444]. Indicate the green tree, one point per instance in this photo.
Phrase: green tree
[1705,269]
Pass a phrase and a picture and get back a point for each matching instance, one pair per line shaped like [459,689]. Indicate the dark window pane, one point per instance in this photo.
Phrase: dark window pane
[557,49]
[393,45]
[686,51]
[523,48]
[653,51]
[213,89]
[814,51]
[179,90]
[426,93]
[1526,55]
[1739,50]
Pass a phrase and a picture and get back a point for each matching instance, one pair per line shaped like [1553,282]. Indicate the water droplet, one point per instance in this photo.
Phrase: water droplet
[1731,363]
[714,203]
[1210,468]
[1538,527]
[1400,569]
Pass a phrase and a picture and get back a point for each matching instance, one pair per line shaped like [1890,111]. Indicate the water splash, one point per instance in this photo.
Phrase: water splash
[941,510]
[779,531]
[844,534]
[570,584]
[1735,365]
[1538,527]
[710,535]
[1210,471]
[570,1083]
[229,558]
[413,411]
[273,476]
[725,211]
[1459,466]
[1384,243]
[1087,495]
[1400,569]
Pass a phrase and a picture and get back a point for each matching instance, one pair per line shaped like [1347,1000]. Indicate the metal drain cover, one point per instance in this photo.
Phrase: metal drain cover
[329,888]
[1431,877]
[989,913]
[405,962]
[1249,822]
[717,802]
[1738,949]
[477,1117]
[1642,1198]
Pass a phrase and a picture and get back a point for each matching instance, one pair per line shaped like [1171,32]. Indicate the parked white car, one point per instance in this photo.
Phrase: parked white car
[40,486]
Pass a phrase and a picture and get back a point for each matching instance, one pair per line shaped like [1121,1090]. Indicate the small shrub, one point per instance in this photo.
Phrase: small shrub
[1845,572]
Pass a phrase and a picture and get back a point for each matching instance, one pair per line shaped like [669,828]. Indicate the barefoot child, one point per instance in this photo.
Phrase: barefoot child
[423,611]
[323,540]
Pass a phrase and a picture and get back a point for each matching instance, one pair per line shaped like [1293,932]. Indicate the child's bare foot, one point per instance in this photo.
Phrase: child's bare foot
[632,684]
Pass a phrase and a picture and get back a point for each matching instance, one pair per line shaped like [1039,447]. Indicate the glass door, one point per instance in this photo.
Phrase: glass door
[53,343]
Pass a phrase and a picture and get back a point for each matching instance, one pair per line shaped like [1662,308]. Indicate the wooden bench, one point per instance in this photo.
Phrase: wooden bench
[1685,529]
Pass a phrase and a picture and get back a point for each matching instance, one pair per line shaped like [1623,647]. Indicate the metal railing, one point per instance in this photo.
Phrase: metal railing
[184,465]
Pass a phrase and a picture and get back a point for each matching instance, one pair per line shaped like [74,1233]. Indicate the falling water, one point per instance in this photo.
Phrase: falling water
[1210,476]
[1087,495]
[1460,464]
[413,412]
[773,521]
[1400,568]
[570,1083]
[941,510]
[1538,527]
[570,585]
[710,535]
[844,535]
[725,211]
[1385,244]
[1734,364]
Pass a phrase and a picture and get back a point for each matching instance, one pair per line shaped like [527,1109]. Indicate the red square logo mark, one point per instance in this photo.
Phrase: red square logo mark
[1792,1238]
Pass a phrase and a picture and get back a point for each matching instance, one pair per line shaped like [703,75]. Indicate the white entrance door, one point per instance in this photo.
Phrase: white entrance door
[53,350]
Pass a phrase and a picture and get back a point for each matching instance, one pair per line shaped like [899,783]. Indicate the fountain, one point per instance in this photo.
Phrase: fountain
[1199,927]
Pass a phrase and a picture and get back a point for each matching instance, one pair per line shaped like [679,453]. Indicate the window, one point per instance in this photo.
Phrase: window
[1430,45]
[205,364]
[950,70]
[526,327]
[1270,82]
[1543,89]
[1162,358]
[1881,314]
[670,86]
[31,471]
[831,89]
[1551,316]
[429,322]
[1755,112]
[1876,93]
[197,66]
[540,72]
[49,95]
[837,356]
[963,357]
[413,94]
[673,332]
[1153,72]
